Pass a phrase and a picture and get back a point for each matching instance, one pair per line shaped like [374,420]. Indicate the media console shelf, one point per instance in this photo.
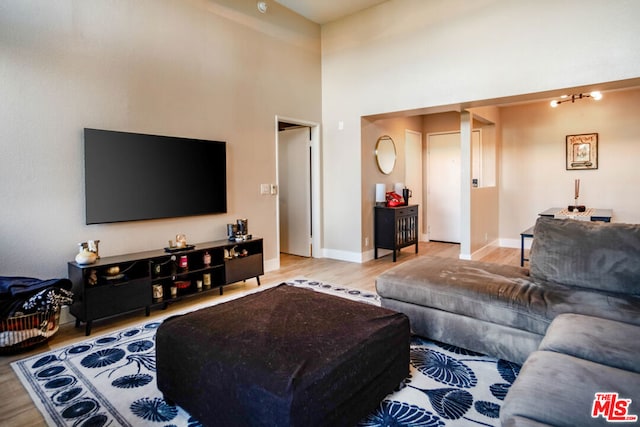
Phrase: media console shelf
[123,283]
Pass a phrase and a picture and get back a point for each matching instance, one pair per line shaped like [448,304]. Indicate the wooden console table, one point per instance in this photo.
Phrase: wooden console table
[395,228]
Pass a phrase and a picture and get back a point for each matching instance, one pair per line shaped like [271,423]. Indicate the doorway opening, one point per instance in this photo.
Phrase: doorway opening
[298,178]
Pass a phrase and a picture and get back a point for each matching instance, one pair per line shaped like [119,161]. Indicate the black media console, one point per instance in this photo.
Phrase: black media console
[118,284]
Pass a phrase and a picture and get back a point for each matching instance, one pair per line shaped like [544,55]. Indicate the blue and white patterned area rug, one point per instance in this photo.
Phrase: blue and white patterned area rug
[110,381]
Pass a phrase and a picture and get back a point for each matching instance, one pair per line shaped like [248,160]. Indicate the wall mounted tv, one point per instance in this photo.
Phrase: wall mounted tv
[132,176]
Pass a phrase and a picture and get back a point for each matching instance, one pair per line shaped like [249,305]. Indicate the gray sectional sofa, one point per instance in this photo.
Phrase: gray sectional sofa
[572,318]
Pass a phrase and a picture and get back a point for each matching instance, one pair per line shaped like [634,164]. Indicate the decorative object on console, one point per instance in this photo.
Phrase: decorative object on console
[184,263]
[381,192]
[158,292]
[239,231]
[243,226]
[406,194]
[88,252]
[180,244]
[582,151]
[394,199]
[112,271]
[232,230]
[93,247]
[181,241]
[85,257]
[576,207]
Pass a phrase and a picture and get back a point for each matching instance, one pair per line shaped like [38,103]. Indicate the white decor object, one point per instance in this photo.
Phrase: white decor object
[85,257]
[381,193]
[398,188]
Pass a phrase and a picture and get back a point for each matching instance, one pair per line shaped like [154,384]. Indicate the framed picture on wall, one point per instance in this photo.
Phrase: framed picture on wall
[582,151]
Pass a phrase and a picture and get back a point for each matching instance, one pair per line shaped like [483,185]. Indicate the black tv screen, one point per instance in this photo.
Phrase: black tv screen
[131,176]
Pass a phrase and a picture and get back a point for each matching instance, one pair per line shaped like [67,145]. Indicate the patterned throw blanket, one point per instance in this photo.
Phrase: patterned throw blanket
[30,308]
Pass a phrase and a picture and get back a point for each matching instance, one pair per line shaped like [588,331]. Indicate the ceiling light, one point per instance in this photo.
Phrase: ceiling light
[596,95]
[262,6]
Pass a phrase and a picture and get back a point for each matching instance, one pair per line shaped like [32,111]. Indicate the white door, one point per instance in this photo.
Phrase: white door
[443,187]
[413,171]
[294,180]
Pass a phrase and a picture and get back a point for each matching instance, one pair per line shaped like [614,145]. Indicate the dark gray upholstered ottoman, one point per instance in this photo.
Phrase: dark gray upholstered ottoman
[285,356]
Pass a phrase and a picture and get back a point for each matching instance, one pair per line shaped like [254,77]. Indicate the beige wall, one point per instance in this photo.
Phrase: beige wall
[217,69]
[409,54]
[193,68]
[533,168]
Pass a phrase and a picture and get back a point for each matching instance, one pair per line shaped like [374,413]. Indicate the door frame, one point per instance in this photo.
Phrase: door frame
[316,184]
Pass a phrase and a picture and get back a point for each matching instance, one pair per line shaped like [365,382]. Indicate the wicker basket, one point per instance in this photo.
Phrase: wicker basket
[20,333]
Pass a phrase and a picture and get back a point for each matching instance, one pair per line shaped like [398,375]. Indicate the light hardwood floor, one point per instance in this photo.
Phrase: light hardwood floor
[17,408]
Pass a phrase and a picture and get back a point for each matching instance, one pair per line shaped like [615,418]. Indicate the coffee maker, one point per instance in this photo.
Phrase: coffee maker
[239,230]
[243,227]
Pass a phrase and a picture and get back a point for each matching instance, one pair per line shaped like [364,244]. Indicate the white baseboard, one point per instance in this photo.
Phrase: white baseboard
[514,243]
[272,264]
[485,250]
[343,255]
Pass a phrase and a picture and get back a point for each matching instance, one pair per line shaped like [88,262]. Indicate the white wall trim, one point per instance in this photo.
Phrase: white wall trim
[485,250]
[514,243]
[272,264]
[343,255]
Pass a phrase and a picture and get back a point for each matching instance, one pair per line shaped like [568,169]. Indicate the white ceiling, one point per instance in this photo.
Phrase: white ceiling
[323,11]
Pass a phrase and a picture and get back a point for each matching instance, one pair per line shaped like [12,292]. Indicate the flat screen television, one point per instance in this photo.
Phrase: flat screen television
[132,176]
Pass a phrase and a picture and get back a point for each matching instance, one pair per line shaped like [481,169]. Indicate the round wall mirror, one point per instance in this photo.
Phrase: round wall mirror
[385,154]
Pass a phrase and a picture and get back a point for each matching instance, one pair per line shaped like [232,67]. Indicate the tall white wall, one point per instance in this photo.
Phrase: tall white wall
[409,54]
[210,69]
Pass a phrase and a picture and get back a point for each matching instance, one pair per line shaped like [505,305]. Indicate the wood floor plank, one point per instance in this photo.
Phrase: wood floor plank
[17,408]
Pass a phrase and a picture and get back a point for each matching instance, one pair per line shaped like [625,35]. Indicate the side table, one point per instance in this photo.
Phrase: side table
[395,228]
[526,234]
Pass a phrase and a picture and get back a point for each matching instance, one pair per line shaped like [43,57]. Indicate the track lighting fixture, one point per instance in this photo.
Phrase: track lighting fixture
[596,95]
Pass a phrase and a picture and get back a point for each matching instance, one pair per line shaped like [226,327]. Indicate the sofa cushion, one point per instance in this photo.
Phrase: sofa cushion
[604,341]
[559,390]
[495,293]
[597,255]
